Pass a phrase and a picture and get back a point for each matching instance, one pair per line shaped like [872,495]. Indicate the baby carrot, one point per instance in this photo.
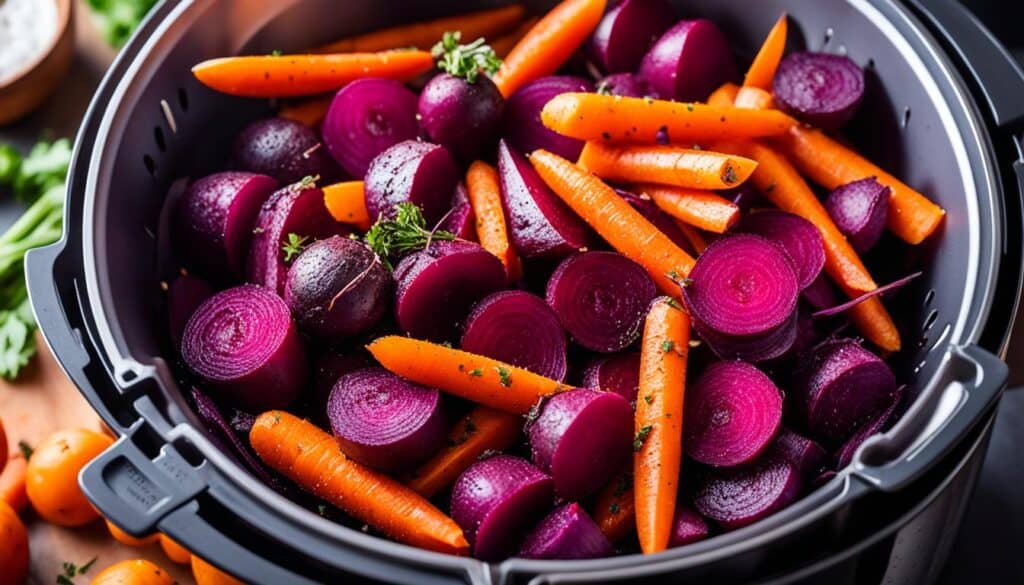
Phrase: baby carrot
[308,112]
[613,508]
[615,220]
[693,236]
[754,98]
[701,209]
[474,377]
[503,44]
[302,452]
[482,430]
[762,70]
[549,44]
[659,422]
[491,229]
[267,76]
[912,217]
[423,35]
[346,203]
[667,165]
[12,483]
[590,116]
[724,95]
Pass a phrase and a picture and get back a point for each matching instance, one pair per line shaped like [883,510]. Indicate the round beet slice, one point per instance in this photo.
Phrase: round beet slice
[601,299]
[618,373]
[522,124]
[581,437]
[688,62]
[799,237]
[877,424]
[567,533]
[184,295]
[734,498]
[464,117]
[733,411]
[807,456]
[385,422]
[366,117]
[518,328]
[337,288]
[411,172]
[496,500]
[438,286]
[627,31]
[767,346]
[821,89]
[840,387]
[243,343]
[687,527]
[860,210]
[283,149]
[214,219]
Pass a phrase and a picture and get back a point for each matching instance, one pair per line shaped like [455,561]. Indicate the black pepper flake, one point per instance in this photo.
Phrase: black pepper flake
[613,508]
[661,137]
[606,136]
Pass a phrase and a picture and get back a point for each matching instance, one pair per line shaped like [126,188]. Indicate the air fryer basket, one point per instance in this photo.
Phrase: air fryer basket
[97,294]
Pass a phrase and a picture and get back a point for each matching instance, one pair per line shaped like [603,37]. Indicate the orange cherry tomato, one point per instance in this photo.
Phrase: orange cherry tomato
[125,538]
[207,574]
[3,446]
[133,572]
[13,547]
[174,551]
[12,483]
[52,476]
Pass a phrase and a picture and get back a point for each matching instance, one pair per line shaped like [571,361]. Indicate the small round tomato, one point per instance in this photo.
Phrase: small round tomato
[13,547]
[134,572]
[52,476]
[3,446]
[207,574]
[125,538]
[12,482]
[174,551]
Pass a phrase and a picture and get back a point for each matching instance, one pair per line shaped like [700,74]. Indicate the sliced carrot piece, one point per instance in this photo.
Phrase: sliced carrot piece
[614,510]
[693,236]
[701,209]
[762,70]
[667,165]
[754,98]
[346,203]
[491,229]
[724,96]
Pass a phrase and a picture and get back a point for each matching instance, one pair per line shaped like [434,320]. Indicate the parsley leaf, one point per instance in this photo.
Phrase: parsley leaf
[465,61]
[294,246]
[504,376]
[391,239]
[641,436]
[26,450]
[117,19]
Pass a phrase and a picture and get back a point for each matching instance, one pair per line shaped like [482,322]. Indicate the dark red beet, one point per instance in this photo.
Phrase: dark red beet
[292,210]
[523,128]
[734,498]
[860,210]
[799,237]
[283,149]
[518,328]
[733,412]
[821,89]
[207,410]
[601,299]
[627,31]
[460,221]
[330,366]
[820,294]
[746,196]
[567,533]
[367,117]
[414,172]
[214,219]
[618,373]
[581,437]
[385,422]
[437,287]
[807,456]
[540,224]
[623,84]
[688,62]
[687,527]
[877,424]
[243,343]
[184,295]
[462,116]
[496,500]
[337,288]
[771,345]
[840,387]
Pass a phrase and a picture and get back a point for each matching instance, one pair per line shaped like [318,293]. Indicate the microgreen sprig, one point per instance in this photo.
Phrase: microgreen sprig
[391,239]
[465,61]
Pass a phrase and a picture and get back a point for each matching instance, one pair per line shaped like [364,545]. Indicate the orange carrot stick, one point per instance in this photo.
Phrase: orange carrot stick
[549,44]
[303,453]
[308,112]
[12,483]
[346,203]
[701,209]
[482,430]
[659,422]
[667,165]
[693,236]
[423,35]
[267,76]
[503,44]
[912,217]
[590,116]
[474,377]
[724,95]
[754,98]
[762,70]
[615,220]
[491,229]
[614,510]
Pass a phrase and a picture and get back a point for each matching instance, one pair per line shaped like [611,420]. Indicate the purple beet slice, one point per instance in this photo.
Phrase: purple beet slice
[734,498]
[540,224]
[215,422]
[601,299]
[184,295]
[627,31]
[243,343]
[567,533]
[860,210]
[460,221]
[522,125]
[518,328]
[214,219]
[820,294]
[688,62]
[821,89]
[580,438]
[385,422]
[799,237]
[877,424]
[496,500]
[438,286]
[619,373]
[623,84]
[733,412]
[687,527]
[283,149]
[411,172]
[807,456]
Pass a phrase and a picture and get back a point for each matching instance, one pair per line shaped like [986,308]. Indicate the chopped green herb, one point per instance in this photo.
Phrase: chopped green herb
[730,175]
[391,239]
[465,61]
[603,89]
[276,53]
[686,282]
[117,19]
[322,510]
[294,246]
[505,376]
[26,450]
[667,346]
[64,580]
[648,399]
[641,436]
[674,304]
[613,508]
[82,570]
[689,107]
[476,372]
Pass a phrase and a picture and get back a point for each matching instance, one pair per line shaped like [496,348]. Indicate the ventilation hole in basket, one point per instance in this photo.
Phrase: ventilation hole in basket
[150,164]
[829,33]
[158,137]
[929,322]
[906,117]
[128,376]
[870,64]
[182,99]
[929,297]
[189,452]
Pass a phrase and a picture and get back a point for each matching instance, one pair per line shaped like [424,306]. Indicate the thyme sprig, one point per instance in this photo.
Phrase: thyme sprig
[465,61]
[391,239]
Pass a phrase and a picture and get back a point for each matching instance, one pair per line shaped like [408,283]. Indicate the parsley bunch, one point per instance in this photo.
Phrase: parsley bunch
[465,61]
[118,19]
[393,238]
